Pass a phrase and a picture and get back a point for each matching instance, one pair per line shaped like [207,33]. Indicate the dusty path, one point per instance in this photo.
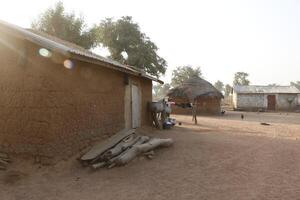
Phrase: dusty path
[205,163]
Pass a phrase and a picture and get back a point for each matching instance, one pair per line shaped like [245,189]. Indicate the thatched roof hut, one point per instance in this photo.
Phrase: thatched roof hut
[199,92]
[193,88]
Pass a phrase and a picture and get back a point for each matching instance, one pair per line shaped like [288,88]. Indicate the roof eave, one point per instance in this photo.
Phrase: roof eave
[267,92]
[112,66]
[66,51]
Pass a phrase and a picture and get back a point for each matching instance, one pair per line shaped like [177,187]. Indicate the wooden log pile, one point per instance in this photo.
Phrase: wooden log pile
[121,149]
[4,160]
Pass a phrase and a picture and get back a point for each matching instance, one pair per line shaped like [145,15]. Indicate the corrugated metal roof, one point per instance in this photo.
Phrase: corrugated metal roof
[259,89]
[68,48]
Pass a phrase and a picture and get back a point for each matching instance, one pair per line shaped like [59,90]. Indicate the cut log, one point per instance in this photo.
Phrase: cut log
[128,155]
[116,150]
[125,158]
[107,144]
[138,149]
[111,165]
[99,165]
[149,154]
[119,148]
[141,140]
[153,144]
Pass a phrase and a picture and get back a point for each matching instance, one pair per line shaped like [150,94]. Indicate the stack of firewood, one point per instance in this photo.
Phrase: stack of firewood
[4,160]
[121,149]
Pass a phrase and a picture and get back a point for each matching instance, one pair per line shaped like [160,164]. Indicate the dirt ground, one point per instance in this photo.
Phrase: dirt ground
[222,157]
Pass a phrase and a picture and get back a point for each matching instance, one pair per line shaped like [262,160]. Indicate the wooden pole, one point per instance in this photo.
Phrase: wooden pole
[194,112]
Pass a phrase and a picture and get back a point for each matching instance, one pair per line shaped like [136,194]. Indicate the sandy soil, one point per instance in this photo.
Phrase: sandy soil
[220,158]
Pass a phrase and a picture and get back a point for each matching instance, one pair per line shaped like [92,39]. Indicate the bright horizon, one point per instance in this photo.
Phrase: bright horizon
[222,37]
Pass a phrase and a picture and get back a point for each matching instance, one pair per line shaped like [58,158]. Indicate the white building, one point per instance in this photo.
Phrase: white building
[255,97]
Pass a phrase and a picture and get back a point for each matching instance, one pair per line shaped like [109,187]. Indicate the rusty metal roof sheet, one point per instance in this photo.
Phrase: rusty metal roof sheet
[259,89]
[68,48]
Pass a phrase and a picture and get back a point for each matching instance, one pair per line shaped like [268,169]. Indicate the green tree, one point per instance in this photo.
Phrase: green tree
[219,85]
[160,91]
[180,74]
[241,78]
[227,90]
[127,44]
[67,26]
[296,84]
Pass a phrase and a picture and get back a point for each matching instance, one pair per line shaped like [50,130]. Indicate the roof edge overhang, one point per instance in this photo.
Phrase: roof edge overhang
[115,67]
[66,51]
[268,93]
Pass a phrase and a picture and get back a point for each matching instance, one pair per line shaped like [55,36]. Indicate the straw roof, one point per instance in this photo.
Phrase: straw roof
[193,88]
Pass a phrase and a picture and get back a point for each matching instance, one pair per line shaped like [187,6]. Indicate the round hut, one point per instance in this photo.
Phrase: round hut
[196,92]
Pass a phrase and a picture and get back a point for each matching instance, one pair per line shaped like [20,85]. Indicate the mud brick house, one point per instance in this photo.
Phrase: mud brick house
[57,98]
[199,92]
[254,97]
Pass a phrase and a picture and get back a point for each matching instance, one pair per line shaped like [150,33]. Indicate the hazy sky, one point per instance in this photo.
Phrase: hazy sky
[261,37]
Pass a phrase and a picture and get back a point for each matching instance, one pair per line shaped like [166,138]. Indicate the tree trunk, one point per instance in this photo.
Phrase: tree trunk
[119,148]
[153,144]
[107,144]
[140,148]
[194,112]
[99,165]
[130,154]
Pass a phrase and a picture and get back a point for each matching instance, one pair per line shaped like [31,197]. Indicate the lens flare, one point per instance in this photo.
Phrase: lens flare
[45,52]
[68,64]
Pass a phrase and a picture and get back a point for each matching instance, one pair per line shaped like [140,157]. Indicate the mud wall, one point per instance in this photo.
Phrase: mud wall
[49,110]
[205,106]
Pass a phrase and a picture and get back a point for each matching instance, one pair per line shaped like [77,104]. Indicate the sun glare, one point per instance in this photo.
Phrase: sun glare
[45,52]
[68,64]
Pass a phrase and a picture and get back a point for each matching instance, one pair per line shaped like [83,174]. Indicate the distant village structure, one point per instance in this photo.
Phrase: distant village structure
[57,98]
[253,98]
[198,92]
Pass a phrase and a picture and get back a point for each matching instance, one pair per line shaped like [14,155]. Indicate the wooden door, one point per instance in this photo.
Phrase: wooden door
[271,102]
[135,106]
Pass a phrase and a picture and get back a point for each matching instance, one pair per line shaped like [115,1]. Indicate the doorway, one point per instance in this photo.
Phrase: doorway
[271,102]
[135,106]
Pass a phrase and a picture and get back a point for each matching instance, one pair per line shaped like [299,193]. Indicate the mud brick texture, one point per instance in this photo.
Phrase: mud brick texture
[50,111]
